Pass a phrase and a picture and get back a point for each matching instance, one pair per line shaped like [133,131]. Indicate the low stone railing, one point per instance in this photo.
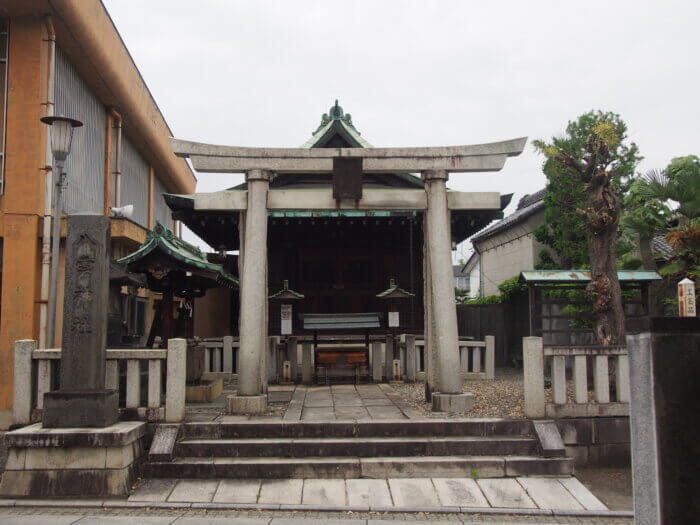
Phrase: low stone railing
[535,361]
[34,376]
[220,356]
[482,364]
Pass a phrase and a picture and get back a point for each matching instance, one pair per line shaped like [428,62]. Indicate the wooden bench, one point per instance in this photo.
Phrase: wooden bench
[339,357]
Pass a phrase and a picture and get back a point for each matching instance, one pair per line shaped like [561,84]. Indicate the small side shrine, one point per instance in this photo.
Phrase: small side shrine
[175,268]
[558,309]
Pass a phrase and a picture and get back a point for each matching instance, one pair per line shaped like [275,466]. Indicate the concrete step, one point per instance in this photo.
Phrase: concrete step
[347,467]
[361,447]
[337,429]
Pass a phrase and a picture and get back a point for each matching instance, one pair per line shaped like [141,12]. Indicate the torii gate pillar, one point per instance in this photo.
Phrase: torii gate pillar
[441,312]
[252,395]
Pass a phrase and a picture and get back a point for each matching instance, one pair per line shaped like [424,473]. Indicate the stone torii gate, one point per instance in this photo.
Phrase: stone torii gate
[434,163]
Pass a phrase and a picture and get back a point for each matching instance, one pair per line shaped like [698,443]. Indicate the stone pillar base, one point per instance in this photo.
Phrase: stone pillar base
[452,402]
[80,408]
[247,404]
[78,462]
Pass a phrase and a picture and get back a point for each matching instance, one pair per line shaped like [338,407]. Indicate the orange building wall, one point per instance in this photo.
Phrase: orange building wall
[23,201]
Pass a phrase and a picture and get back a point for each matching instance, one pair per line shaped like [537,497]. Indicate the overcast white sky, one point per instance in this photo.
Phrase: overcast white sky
[430,73]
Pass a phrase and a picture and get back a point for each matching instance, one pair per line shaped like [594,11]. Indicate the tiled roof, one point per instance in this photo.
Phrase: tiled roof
[660,248]
[528,205]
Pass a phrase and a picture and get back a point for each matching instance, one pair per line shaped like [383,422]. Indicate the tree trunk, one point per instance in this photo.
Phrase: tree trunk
[602,217]
[655,287]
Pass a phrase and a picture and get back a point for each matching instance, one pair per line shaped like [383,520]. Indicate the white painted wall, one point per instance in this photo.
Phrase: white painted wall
[507,254]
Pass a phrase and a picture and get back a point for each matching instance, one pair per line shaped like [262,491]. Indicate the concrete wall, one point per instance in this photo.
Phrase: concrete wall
[475,281]
[212,313]
[597,441]
[508,253]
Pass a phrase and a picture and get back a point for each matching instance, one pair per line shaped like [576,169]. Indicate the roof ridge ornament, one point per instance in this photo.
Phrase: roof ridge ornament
[335,113]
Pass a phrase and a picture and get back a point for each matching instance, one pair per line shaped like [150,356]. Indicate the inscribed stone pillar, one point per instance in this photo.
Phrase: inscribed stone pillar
[253,329]
[82,400]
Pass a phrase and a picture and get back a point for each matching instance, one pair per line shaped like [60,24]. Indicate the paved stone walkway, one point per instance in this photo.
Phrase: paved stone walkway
[409,494]
[319,403]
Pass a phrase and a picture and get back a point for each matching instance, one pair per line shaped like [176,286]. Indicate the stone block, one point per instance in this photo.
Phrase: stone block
[452,402]
[15,459]
[71,409]
[247,404]
[73,462]
[205,392]
[579,454]
[50,458]
[612,430]
[121,457]
[550,439]
[576,431]
[612,455]
[122,433]
[163,443]
[534,466]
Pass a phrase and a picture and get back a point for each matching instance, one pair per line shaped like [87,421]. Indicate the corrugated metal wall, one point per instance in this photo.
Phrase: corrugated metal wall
[134,181]
[86,163]
[161,212]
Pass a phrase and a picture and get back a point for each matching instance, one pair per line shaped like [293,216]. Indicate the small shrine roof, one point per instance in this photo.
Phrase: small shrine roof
[286,294]
[162,239]
[395,292]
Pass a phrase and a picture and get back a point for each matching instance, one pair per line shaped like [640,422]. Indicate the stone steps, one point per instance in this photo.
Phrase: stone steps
[337,429]
[362,447]
[349,467]
[482,448]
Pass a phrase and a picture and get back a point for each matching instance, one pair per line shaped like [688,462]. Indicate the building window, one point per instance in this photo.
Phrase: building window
[4,45]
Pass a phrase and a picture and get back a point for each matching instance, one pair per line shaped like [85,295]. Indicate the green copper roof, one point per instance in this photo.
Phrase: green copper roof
[162,238]
[336,122]
[583,276]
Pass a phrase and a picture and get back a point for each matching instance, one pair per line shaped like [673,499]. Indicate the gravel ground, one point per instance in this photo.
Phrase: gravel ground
[501,397]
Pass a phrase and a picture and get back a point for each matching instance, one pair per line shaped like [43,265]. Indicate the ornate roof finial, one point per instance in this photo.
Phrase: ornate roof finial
[335,113]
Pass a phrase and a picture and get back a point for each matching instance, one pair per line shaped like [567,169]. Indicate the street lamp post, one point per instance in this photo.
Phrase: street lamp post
[61,137]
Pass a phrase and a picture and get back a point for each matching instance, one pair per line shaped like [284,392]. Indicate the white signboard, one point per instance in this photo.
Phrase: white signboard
[686,298]
[286,318]
[393,319]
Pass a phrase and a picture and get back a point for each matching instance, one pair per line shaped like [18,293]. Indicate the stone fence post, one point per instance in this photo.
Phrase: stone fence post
[22,402]
[533,377]
[228,353]
[664,358]
[175,384]
[490,365]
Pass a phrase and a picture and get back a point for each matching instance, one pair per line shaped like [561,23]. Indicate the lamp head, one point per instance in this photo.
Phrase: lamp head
[61,135]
